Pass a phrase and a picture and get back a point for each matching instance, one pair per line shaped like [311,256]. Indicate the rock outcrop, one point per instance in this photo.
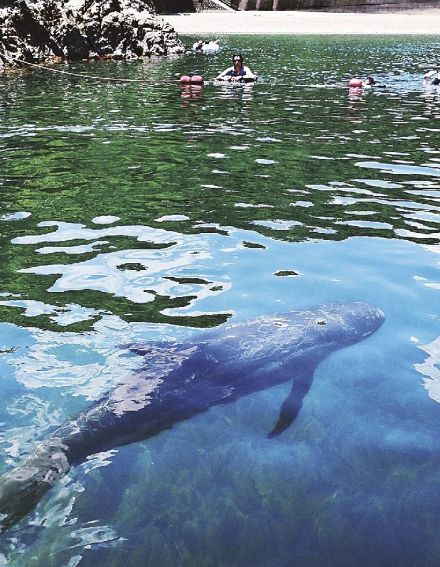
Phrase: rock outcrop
[44,30]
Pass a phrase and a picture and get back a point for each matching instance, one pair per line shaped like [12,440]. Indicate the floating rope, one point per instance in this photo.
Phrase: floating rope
[8,55]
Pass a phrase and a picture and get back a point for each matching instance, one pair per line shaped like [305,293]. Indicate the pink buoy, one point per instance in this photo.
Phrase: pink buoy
[355,83]
[197,79]
[185,79]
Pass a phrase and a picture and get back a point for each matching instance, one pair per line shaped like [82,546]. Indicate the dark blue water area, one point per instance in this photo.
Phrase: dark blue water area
[354,481]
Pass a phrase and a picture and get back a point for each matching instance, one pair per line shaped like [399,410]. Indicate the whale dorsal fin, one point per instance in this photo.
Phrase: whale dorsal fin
[291,406]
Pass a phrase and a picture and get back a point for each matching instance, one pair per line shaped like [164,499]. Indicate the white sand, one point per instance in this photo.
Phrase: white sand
[411,22]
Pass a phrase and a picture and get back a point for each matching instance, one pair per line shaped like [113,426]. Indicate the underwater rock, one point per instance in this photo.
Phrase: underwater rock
[69,30]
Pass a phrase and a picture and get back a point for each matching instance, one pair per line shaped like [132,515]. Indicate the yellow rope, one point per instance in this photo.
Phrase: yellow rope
[69,73]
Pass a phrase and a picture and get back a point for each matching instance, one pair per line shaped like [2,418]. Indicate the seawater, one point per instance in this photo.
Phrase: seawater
[133,212]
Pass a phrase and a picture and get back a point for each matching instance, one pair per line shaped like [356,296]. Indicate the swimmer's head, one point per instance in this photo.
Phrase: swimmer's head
[370,81]
[237,58]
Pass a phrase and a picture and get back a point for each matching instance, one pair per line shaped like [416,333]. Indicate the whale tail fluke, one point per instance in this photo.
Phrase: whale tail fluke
[22,488]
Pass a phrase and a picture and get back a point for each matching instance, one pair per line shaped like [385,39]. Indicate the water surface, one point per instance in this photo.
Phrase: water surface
[133,212]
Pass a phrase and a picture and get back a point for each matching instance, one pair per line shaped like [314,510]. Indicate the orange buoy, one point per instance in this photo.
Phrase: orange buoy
[185,79]
[355,83]
[197,79]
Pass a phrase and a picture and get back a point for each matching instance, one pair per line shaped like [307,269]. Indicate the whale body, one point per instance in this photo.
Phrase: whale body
[180,380]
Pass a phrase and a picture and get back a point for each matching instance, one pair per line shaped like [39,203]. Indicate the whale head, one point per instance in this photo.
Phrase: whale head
[309,337]
[345,323]
[275,342]
[329,327]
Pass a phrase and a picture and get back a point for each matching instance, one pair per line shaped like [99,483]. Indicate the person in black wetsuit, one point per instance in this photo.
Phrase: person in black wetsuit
[238,72]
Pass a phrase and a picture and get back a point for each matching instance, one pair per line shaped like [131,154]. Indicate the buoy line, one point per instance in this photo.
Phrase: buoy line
[9,56]
[5,53]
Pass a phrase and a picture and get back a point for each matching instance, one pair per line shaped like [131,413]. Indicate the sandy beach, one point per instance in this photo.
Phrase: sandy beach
[414,22]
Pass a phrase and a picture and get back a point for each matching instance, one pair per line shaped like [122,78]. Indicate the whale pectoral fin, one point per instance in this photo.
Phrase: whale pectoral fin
[292,404]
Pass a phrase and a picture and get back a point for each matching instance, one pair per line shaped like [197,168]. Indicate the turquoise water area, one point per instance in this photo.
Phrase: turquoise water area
[136,212]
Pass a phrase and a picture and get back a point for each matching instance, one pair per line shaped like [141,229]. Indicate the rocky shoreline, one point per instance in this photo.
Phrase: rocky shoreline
[71,30]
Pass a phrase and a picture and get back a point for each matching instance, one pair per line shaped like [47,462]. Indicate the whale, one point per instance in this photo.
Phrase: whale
[178,380]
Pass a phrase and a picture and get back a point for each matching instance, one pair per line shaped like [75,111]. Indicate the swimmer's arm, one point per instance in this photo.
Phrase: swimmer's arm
[430,74]
[249,74]
[224,75]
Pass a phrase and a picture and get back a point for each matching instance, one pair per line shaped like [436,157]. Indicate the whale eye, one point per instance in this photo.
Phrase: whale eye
[280,323]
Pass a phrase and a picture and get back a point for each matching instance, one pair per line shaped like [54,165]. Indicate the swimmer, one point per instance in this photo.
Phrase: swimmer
[211,46]
[238,72]
[206,46]
[369,82]
[366,84]
[198,45]
[432,77]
